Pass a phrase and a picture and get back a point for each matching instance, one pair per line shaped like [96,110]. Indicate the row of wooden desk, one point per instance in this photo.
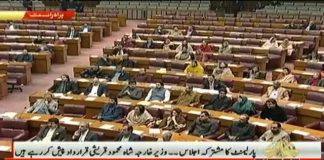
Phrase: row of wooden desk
[299,92]
[142,62]
[260,61]
[27,69]
[3,85]
[304,65]
[93,106]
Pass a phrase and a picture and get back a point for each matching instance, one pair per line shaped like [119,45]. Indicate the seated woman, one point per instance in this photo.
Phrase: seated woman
[175,32]
[316,80]
[174,122]
[158,30]
[222,71]
[225,48]
[191,31]
[254,73]
[271,43]
[184,51]
[204,51]
[167,44]
[286,76]
[139,116]
[286,45]
[243,106]
[273,112]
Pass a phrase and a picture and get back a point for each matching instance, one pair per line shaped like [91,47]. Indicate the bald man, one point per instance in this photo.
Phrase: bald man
[84,134]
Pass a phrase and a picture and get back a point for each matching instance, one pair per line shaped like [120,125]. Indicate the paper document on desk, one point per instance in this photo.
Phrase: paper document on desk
[168,106]
[9,115]
[66,97]
[303,86]
[246,79]
[157,106]
[57,95]
[161,70]
[144,103]
[90,98]
[254,99]
[267,82]
[71,122]
[154,131]
[66,119]
[226,117]
[294,104]
[300,132]
[317,109]
[195,112]
[124,103]
[83,80]
[321,90]
[260,124]
[136,69]
[5,148]
[106,126]
[138,132]
[167,87]
[35,118]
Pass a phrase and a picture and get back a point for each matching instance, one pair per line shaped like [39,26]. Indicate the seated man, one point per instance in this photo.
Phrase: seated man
[203,126]
[11,26]
[127,134]
[93,71]
[72,33]
[86,28]
[96,89]
[276,92]
[65,85]
[119,50]
[118,75]
[51,132]
[219,102]
[44,48]
[24,57]
[139,116]
[84,134]
[47,105]
[241,130]
[275,134]
[213,84]
[187,97]
[111,111]
[105,61]
[131,91]
[126,62]
[149,44]
[158,93]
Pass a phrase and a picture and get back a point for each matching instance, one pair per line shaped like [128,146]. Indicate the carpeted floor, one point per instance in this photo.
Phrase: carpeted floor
[40,82]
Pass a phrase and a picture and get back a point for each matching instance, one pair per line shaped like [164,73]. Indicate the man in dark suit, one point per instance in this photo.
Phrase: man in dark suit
[84,134]
[131,91]
[149,43]
[118,75]
[65,85]
[213,84]
[126,62]
[96,89]
[94,71]
[119,50]
[45,48]
[105,61]
[111,111]
[51,132]
[24,57]
[86,28]
[127,134]
[72,33]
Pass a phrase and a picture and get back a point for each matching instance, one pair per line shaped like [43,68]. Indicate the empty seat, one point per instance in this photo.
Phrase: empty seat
[74,110]
[315,98]
[170,79]
[14,129]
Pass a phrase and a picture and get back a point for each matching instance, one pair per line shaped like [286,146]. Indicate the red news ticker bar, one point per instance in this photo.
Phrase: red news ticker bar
[155,159]
[49,15]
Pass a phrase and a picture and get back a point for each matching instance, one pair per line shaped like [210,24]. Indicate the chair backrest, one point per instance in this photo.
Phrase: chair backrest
[171,79]
[74,110]
[253,89]
[14,124]
[155,112]
[315,98]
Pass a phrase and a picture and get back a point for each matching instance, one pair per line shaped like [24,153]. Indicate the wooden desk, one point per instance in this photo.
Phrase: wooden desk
[110,133]
[142,62]
[6,153]
[299,92]
[27,68]
[3,85]
[303,65]
[93,108]
[303,75]
[41,61]
[97,33]
[74,46]
[86,39]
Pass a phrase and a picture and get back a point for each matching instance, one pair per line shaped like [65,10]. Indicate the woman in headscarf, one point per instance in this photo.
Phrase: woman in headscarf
[139,116]
[286,76]
[314,80]
[286,45]
[254,73]
[167,44]
[271,43]
[222,70]
[174,122]
[243,106]
[204,51]
[184,51]
[225,48]
[273,112]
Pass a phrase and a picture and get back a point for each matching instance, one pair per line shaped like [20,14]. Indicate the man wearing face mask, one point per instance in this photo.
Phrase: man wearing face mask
[44,106]
[158,93]
[219,102]
[111,111]
[275,134]
[84,134]
[241,130]
[127,134]
[187,97]
[131,91]
[118,75]
[95,89]
[276,92]
[51,132]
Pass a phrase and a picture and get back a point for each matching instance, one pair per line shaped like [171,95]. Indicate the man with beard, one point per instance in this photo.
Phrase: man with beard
[111,111]
[275,134]
[65,85]
[203,126]
[219,102]
[187,97]
[127,134]
[84,134]
[131,91]
[158,93]
[118,75]
[51,132]
[241,130]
